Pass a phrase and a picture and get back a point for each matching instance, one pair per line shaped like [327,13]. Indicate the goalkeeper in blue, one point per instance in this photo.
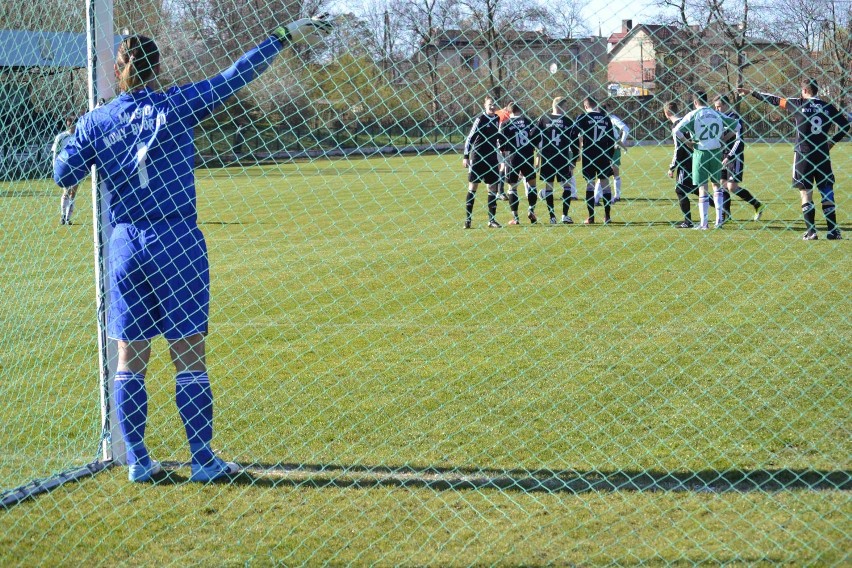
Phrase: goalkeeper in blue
[141,144]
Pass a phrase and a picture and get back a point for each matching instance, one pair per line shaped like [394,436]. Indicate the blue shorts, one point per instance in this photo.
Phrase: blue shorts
[159,280]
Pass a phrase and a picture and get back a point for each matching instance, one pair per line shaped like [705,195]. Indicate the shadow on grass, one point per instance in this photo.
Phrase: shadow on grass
[465,479]
[529,481]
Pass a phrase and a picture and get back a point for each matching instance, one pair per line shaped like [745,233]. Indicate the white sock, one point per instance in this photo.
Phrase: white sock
[618,187]
[69,209]
[572,184]
[64,206]
[703,209]
[598,191]
[718,200]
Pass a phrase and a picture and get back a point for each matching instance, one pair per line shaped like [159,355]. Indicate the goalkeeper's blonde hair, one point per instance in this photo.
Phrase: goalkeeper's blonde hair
[137,62]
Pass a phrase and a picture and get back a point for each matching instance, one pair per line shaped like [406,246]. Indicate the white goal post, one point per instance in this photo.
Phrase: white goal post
[100,43]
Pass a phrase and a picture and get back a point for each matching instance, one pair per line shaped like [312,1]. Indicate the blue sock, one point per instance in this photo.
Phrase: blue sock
[195,404]
[131,404]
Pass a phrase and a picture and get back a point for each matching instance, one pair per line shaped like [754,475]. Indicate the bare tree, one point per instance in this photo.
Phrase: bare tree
[684,12]
[427,19]
[822,29]
[493,20]
[566,19]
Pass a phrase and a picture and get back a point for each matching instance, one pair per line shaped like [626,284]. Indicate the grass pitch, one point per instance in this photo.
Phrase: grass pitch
[408,392]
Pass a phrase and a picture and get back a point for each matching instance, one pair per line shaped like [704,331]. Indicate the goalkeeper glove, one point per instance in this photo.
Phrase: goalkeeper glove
[305,30]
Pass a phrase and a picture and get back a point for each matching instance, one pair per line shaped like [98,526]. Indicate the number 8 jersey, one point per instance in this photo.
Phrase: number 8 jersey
[813,122]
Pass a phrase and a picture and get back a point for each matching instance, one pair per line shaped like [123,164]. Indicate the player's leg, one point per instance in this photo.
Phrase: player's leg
[532,193]
[182,286]
[569,188]
[809,214]
[547,195]
[512,180]
[131,405]
[616,181]
[590,200]
[703,206]
[63,205]
[683,191]
[804,174]
[492,206]
[829,210]
[501,182]
[606,197]
[590,174]
[736,189]
[825,182]
[131,320]
[724,201]
[194,399]
[69,207]
[722,204]
[469,201]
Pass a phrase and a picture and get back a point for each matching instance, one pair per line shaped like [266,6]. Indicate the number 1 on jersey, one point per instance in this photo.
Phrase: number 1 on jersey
[142,168]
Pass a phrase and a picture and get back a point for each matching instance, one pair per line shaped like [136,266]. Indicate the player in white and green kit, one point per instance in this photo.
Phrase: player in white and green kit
[706,127]
[66,207]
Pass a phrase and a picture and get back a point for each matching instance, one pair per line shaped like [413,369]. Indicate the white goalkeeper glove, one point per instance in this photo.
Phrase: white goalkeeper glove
[305,30]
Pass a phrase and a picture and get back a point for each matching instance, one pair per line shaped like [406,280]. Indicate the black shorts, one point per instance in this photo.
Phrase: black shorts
[812,169]
[484,171]
[733,171]
[556,167]
[684,182]
[519,166]
[598,166]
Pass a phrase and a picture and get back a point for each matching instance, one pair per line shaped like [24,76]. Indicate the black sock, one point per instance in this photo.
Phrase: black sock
[513,203]
[471,196]
[830,215]
[607,202]
[590,203]
[566,201]
[746,196]
[492,205]
[726,204]
[809,213]
[683,201]
[532,198]
[549,200]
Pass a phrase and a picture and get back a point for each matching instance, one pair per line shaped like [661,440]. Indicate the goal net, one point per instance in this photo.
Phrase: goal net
[523,374]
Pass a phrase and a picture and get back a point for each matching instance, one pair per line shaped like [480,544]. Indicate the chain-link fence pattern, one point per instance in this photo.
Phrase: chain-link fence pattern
[403,374]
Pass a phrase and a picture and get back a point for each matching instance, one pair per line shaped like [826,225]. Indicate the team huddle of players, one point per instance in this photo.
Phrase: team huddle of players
[504,145]
[502,148]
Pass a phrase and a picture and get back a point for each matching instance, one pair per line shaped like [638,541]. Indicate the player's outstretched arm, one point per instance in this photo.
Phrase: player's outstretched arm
[306,30]
[203,96]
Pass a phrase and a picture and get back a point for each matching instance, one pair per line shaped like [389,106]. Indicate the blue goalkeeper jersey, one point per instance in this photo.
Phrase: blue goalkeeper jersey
[142,143]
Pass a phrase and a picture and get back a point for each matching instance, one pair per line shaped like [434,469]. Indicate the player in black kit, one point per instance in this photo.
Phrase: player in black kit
[518,140]
[812,159]
[557,154]
[680,168]
[595,132]
[482,161]
[733,164]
